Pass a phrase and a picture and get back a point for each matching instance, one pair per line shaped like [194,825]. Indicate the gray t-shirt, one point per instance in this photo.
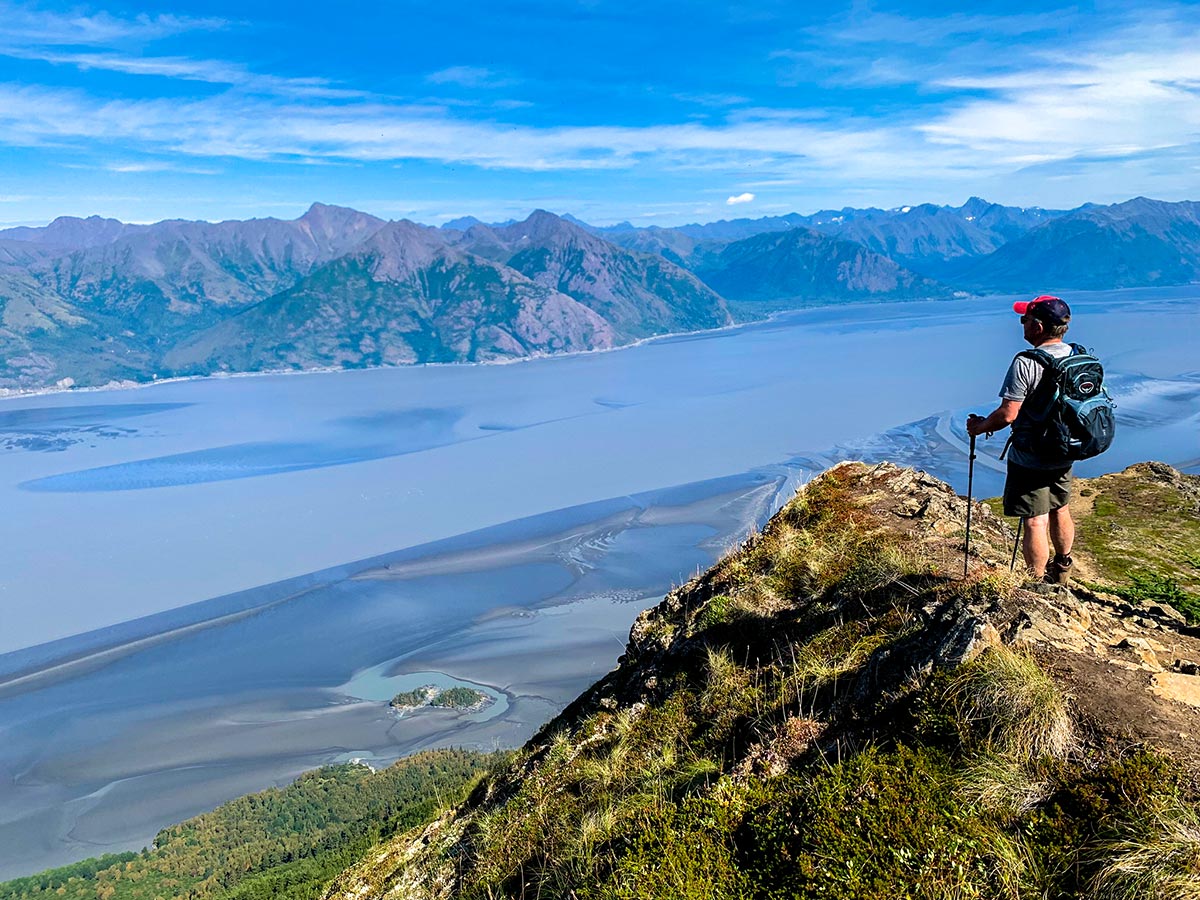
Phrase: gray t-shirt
[1022,378]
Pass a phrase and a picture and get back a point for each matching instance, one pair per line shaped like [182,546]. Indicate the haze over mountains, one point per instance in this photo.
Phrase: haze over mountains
[95,300]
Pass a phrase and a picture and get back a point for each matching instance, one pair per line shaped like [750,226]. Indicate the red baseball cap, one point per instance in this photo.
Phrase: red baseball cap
[1049,309]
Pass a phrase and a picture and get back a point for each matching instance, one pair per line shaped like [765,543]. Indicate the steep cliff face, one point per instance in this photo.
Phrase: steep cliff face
[834,710]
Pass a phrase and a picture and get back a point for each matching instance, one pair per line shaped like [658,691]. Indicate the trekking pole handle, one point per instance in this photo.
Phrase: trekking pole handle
[971,417]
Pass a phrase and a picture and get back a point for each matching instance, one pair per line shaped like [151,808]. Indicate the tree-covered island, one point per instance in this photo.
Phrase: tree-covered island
[459,698]
[416,697]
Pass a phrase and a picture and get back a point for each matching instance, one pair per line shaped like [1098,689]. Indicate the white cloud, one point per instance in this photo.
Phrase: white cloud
[739,198]
[469,77]
[1113,100]
[863,25]
[1134,91]
[26,25]
[184,69]
[967,143]
[712,100]
[138,168]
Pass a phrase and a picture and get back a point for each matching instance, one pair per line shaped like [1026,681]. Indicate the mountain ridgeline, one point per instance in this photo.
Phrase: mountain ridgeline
[89,301]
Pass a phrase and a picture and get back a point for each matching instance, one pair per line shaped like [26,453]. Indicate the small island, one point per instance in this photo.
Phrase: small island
[458,698]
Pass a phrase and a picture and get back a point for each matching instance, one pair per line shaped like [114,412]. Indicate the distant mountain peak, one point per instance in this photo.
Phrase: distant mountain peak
[975,207]
[337,228]
[72,232]
[543,227]
[401,248]
[542,218]
[462,223]
[326,213]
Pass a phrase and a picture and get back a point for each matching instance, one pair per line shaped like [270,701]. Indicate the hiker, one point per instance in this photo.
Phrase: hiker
[1037,489]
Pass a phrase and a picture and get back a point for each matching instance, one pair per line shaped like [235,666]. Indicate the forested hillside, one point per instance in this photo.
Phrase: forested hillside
[284,842]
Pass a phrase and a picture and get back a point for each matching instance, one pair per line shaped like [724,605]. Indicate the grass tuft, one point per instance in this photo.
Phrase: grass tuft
[1160,863]
[1011,706]
[835,652]
[1153,587]
[1002,786]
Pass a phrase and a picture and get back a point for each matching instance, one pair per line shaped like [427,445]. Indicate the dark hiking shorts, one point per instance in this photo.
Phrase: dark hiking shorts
[1035,492]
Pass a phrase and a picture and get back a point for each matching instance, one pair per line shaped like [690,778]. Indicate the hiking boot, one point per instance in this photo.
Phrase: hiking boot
[1058,571]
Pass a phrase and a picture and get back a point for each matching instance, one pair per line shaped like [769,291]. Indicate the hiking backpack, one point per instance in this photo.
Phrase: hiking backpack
[1069,415]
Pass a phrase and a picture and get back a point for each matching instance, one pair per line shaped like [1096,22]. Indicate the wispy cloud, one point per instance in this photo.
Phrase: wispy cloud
[470,77]
[139,168]
[712,100]
[866,47]
[1134,94]
[26,25]
[208,71]
[947,113]
[262,129]
[864,24]
[974,137]
[105,42]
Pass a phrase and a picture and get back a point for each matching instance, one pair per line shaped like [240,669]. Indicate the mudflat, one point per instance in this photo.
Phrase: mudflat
[197,573]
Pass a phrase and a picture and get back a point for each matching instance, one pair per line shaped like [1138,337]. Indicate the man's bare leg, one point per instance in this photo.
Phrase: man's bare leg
[1062,530]
[1035,546]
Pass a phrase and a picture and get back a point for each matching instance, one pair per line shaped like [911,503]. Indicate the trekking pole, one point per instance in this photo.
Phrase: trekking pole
[970,489]
[1017,543]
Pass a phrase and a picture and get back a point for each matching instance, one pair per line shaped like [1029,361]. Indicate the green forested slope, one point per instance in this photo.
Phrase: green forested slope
[283,842]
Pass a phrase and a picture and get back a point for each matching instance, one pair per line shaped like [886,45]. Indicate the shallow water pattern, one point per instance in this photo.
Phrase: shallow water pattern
[190,580]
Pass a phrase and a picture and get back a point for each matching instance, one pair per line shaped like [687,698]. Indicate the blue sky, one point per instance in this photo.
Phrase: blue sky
[659,113]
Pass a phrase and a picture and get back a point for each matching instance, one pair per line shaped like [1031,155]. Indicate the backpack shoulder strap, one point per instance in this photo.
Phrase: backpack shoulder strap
[1039,356]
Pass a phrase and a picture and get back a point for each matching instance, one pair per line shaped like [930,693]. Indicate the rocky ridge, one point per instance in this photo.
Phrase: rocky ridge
[841,653]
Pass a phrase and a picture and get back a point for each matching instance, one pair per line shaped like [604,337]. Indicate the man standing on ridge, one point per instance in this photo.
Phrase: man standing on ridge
[1036,490]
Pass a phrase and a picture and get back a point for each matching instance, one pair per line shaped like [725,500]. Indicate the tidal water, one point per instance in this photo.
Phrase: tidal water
[199,580]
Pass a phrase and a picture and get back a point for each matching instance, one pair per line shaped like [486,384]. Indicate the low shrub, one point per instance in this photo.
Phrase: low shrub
[1152,587]
[682,852]
[880,824]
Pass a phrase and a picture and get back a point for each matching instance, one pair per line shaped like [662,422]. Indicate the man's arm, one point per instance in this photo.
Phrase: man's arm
[1001,417]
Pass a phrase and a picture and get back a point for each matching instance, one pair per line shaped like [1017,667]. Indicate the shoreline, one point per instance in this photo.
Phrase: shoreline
[14,394]
[7,394]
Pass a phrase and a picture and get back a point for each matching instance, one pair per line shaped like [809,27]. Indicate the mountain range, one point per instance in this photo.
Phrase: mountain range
[88,301]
